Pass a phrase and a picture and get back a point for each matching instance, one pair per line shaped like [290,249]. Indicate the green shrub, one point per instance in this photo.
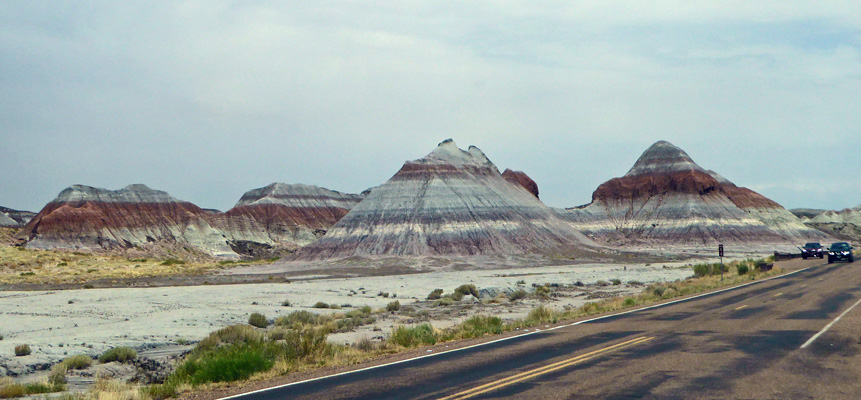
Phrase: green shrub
[22,350]
[172,261]
[659,290]
[18,390]
[467,289]
[57,376]
[635,283]
[362,312]
[435,294]
[121,354]
[320,304]
[541,315]
[630,302]
[42,388]
[285,303]
[233,334]
[456,296]
[742,269]
[445,301]
[542,291]
[12,391]
[161,391]
[227,364]
[517,295]
[258,320]
[413,336]
[298,319]
[615,281]
[80,361]
[701,270]
[393,306]
[1,336]
[480,325]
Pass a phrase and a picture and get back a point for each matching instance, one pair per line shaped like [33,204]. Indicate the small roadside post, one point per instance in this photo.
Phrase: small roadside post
[720,254]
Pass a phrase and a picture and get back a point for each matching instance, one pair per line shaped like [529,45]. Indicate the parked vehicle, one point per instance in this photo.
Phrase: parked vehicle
[812,249]
[840,251]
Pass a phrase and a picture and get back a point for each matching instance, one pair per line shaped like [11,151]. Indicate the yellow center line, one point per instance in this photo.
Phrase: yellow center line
[778,294]
[804,285]
[542,370]
[739,308]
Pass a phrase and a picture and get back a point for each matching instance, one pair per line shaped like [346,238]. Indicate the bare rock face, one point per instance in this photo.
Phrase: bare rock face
[10,218]
[451,202]
[290,215]
[520,178]
[89,218]
[844,224]
[666,196]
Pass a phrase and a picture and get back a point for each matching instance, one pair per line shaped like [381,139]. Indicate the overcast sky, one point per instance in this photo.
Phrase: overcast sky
[209,99]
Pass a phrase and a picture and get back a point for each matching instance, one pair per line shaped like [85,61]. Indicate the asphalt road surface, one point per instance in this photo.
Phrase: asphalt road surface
[741,343]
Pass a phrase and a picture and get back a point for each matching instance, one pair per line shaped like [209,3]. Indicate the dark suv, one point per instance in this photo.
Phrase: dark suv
[840,251]
[812,249]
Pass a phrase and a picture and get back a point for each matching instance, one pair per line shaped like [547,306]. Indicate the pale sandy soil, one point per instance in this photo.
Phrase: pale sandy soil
[60,323]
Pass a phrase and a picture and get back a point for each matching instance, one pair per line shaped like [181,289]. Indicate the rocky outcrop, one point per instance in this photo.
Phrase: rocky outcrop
[844,224]
[289,215]
[520,178]
[806,214]
[667,197]
[452,203]
[89,218]
[10,218]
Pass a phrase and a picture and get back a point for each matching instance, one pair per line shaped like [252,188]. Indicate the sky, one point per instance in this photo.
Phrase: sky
[209,99]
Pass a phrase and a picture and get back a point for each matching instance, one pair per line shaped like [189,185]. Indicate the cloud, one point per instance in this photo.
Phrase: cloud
[209,99]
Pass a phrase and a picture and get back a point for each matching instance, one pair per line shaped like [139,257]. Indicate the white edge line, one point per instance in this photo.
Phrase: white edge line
[513,337]
[827,327]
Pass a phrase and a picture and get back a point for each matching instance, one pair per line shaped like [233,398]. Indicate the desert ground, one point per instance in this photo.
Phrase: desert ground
[59,323]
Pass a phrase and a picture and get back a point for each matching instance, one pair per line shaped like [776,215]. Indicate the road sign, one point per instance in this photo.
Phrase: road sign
[720,254]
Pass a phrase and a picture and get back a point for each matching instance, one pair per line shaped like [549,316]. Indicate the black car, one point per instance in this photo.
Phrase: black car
[840,251]
[812,249]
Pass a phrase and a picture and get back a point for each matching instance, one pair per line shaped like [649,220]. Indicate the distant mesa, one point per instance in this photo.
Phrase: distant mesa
[521,179]
[284,215]
[10,218]
[844,224]
[264,221]
[667,197]
[134,217]
[451,202]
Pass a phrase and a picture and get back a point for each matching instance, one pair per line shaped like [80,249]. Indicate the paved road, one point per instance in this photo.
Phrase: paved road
[742,343]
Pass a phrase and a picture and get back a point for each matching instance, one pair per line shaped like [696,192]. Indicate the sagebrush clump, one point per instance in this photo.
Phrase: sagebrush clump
[259,320]
[121,354]
[79,361]
[22,350]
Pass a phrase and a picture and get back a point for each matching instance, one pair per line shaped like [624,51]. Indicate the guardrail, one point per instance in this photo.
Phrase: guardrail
[778,256]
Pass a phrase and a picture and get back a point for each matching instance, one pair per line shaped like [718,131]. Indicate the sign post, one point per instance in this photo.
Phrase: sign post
[720,254]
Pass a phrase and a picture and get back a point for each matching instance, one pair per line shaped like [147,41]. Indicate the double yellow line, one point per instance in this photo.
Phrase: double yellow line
[543,370]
